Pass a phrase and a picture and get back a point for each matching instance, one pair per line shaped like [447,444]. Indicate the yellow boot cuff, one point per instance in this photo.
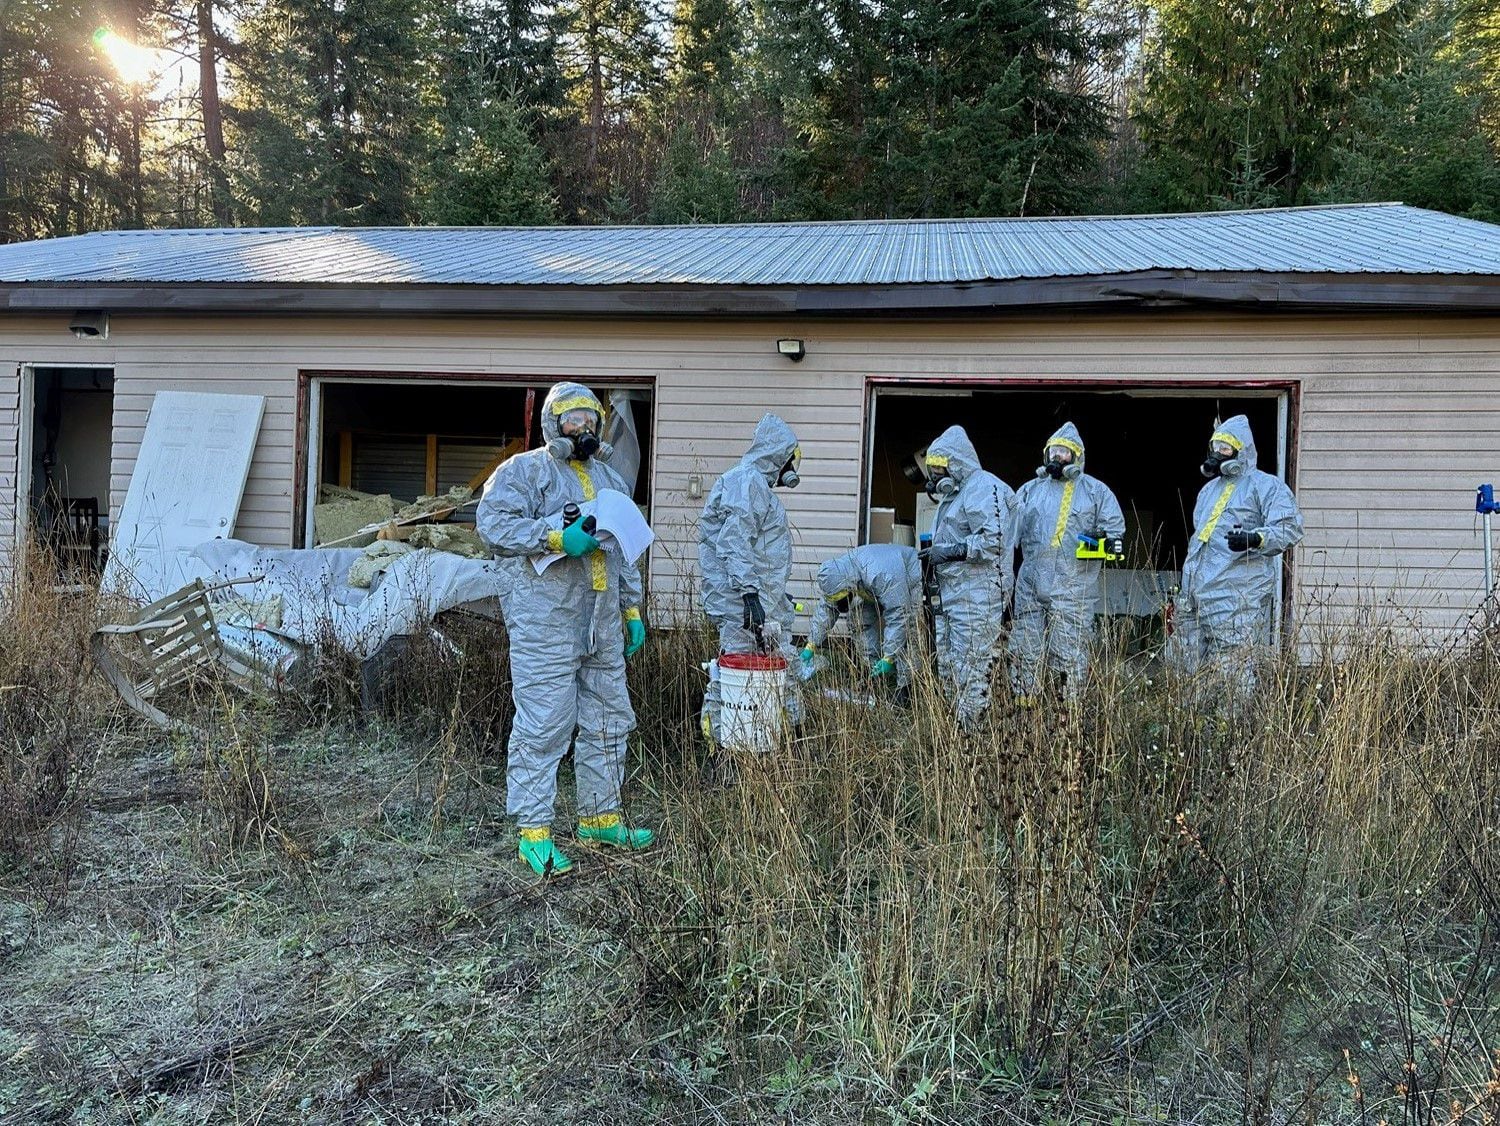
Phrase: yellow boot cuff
[603,821]
[535,835]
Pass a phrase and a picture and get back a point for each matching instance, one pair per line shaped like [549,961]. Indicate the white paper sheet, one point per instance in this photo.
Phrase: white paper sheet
[617,520]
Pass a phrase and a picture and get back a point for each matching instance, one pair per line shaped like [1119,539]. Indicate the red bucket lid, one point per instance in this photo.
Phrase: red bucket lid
[752,662]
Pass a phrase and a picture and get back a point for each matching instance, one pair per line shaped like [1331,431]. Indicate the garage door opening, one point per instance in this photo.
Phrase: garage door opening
[409,437]
[68,417]
[1144,443]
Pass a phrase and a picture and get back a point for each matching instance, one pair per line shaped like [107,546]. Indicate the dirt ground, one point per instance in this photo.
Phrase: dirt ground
[372,965]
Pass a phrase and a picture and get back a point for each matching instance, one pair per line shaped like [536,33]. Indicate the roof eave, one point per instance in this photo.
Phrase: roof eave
[1460,293]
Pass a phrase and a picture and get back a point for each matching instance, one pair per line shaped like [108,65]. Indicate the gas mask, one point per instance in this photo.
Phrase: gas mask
[1060,470]
[941,488]
[1221,464]
[789,478]
[1059,463]
[577,438]
[579,446]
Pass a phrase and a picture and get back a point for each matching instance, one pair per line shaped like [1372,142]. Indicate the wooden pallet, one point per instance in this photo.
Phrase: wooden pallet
[173,639]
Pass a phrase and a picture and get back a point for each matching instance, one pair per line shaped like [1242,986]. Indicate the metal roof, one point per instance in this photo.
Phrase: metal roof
[1386,239]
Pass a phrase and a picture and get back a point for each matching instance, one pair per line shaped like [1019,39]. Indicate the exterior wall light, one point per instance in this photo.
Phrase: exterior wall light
[791,349]
[92,324]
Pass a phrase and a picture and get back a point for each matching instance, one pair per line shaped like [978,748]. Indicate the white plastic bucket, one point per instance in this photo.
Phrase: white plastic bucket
[752,692]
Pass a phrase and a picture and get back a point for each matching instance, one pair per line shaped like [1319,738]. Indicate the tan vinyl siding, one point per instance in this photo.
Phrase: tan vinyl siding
[1400,416]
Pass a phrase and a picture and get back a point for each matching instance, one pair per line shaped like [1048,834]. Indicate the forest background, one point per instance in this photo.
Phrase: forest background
[192,113]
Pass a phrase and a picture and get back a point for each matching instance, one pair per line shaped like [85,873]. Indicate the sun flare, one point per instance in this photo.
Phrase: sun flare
[137,65]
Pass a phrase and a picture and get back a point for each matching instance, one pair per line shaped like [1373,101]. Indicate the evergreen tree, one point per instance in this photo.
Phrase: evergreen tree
[1418,134]
[485,167]
[699,178]
[491,174]
[611,57]
[1244,100]
[946,107]
[331,127]
[1477,36]
[693,186]
[53,176]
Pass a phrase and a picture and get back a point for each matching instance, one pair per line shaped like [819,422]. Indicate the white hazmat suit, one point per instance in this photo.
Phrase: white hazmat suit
[971,558]
[565,624]
[745,548]
[1224,612]
[1057,594]
[881,586]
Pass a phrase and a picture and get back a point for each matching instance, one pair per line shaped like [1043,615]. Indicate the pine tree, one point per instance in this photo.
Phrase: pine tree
[703,116]
[611,57]
[74,130]
[1418,134]
[1246,99]
[331,128]
[946,107]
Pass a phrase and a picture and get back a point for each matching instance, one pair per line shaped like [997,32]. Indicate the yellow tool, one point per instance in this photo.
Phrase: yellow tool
[1097,547]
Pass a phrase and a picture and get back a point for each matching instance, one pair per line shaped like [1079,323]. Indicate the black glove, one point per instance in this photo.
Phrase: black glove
[755,613]
[1116,546]
[947,552]
[1243,541]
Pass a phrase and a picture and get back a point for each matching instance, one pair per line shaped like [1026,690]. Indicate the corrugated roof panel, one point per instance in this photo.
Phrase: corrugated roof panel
[1380,238]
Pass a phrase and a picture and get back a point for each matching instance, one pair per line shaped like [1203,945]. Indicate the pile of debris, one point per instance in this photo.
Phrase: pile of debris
[349,518]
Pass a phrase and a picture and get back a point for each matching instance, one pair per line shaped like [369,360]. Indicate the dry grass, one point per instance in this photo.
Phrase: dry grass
[54,720]
[1139,908]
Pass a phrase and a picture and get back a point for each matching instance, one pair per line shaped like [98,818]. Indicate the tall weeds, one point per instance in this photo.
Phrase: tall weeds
[54,722]
[1150,877]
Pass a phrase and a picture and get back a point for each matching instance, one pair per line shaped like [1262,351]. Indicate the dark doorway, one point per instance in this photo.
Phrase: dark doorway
[1145,444]
[71,442]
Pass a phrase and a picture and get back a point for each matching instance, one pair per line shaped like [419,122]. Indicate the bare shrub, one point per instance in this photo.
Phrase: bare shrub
[1147,876]
[54,722]
[244,799]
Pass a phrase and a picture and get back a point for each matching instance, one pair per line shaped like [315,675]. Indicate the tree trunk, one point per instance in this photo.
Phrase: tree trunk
[6,234]
[213,117]
[596,89]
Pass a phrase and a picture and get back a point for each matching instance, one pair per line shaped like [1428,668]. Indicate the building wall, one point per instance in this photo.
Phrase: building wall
[1400,416]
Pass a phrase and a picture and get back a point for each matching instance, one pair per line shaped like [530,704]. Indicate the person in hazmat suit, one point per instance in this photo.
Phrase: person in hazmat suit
[970,558]
[1243,520]
[1057,592]
[568,628]
[745,556]
[879,585]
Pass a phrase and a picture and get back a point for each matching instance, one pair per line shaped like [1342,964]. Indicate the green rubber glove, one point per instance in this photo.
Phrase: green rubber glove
[637,636]
[883,667]
[576,542]
[807,655]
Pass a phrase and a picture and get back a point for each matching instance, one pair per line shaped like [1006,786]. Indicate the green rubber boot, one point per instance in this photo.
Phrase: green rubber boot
[536,848]
[608,829]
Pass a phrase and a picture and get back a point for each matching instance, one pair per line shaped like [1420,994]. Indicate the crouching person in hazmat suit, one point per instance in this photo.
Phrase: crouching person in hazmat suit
[745,557]
[568,627]
[970,558]
[1243,520]
[1057,593]
[879,585]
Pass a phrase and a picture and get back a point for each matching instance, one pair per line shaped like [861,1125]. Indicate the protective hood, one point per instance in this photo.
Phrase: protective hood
[954,445]
[1236,431]
[565,397]
[771,448]
[1067,435]
[838,575]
